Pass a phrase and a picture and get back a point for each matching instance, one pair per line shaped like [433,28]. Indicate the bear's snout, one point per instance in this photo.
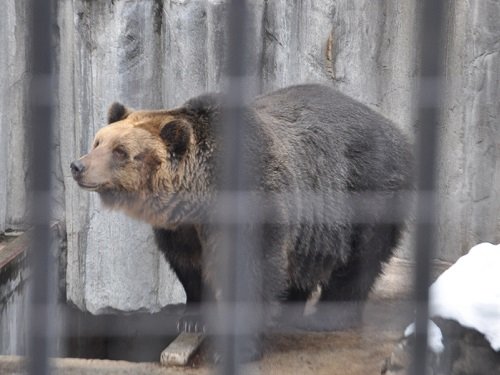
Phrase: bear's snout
[77,168]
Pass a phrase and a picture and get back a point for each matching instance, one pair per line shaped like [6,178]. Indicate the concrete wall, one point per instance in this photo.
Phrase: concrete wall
[14,297]
[152,54]
[470,156]
[13,315]
[13,85]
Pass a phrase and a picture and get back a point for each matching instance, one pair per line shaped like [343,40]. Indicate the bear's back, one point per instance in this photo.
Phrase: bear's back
[330,152]
[333,141]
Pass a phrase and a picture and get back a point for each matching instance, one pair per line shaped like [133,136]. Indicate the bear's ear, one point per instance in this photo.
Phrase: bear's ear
[175,134]
[117,112]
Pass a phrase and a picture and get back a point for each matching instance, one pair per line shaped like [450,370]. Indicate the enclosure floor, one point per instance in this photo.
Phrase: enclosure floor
[353,352]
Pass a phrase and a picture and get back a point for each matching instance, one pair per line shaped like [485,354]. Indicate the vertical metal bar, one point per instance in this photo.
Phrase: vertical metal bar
[39,136]
[429,101]
[234,178]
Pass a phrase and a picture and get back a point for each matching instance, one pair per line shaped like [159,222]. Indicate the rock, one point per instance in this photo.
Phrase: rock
[466,352]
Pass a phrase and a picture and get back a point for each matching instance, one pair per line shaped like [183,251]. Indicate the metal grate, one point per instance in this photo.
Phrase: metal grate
[234,174]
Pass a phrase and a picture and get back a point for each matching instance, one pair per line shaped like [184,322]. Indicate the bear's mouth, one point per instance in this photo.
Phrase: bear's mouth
[88,187]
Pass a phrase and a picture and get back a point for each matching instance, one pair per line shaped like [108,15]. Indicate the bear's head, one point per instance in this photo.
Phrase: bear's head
[138,162]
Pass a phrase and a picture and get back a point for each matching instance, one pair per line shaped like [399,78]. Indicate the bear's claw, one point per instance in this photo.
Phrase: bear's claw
[191,324]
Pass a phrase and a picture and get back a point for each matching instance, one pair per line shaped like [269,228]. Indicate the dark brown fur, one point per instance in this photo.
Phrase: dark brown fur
[311,147]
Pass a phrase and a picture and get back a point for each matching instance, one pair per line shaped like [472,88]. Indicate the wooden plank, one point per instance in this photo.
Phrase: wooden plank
[13,249]
[181,349]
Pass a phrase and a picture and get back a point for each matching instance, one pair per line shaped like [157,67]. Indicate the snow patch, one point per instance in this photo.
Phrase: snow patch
[469,292]
[434,336]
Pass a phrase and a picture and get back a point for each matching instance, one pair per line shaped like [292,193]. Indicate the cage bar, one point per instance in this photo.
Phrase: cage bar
[427,148]
[234,177]
[39,136]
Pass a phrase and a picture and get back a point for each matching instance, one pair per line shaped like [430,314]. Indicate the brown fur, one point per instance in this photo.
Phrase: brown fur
[161,167]
[129,156]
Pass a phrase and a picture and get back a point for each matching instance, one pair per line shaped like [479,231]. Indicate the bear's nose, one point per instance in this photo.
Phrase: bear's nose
[77,168]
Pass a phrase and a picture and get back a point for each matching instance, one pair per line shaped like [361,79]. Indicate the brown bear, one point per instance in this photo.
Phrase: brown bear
[333,174]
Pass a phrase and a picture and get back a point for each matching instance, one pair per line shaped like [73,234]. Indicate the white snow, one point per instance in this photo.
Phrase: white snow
[469,292]
[434,336]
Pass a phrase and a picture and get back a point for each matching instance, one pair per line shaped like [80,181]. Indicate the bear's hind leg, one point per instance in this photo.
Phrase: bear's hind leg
[342,299]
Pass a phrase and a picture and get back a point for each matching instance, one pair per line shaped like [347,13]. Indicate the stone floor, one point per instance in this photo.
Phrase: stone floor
[353,352]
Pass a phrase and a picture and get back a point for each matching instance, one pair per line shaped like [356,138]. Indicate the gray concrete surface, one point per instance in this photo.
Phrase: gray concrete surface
[13,295]
[158,53]
[13,84]
[14,365]
[470,157]
[359,351]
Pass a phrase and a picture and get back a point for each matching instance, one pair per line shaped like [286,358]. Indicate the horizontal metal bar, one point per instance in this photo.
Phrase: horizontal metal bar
[304,207]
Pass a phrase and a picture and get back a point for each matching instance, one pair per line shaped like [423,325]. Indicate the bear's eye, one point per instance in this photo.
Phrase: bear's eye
[120,153]
[96,143]
[140,157]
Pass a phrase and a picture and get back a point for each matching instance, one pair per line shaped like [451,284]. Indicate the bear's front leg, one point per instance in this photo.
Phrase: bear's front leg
[198,299]
[192,322]
[247,284]
[192,319]
[183,252]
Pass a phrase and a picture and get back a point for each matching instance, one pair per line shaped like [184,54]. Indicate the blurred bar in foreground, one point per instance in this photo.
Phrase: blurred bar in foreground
[427,145]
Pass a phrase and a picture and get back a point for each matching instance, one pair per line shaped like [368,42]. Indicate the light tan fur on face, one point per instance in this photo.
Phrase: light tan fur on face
[146,177]
[107,168]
